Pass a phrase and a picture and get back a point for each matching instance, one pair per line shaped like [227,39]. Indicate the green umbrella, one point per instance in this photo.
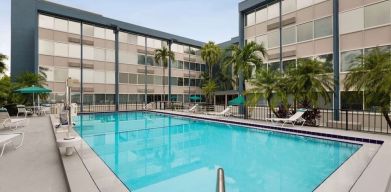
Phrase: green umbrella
[195,98]
[33,89]
[237,101]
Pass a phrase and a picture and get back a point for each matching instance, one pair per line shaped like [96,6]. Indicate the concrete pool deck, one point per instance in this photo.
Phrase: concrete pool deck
[36,165]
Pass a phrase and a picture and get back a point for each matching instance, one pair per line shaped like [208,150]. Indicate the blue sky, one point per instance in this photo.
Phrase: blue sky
[202,20]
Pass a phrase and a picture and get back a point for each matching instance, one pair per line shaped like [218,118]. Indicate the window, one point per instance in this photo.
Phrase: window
[88,52]
[289,35]
[262,40]
[288,6]
[158,80]
[382,48]
[109,34]
[352,100]
[351,21]
[378,14]
[110,77]
[141,79]
[150,79]
[323,27]
[273,11]
[303,3]
[132,39]
[250,19]
[61,49]
[110,55]
[327,61]
[174,81]
[349,59]
[261,15]
[150,60]
[123,78]
[203,67]
[141,59]
[287,65]
[99,32]
[180,64]
[180,81]
[141,41]
[305,32]
[124,57]
[274,66]
[192,82]
[198,67]
[60,75]
[192,66]
[46,22]
[88,30]
[74,50]
[273,39]
[46,47]
[61,25]
[185,81]
[186,65]
[123,37]
[74,27]
[88,76]
[99,54]
[133,78]
[99,76]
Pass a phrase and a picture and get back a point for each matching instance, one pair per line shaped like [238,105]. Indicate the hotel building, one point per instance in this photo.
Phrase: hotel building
[333,31]
[113,60]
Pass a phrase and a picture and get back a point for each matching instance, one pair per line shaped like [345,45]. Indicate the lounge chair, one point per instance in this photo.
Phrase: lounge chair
[8,138]
[8,122]
[192,109]
[226,112]
[22,109]
[148,106]
[297,117]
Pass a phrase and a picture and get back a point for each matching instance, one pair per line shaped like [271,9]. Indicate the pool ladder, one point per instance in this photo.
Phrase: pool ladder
[220,186]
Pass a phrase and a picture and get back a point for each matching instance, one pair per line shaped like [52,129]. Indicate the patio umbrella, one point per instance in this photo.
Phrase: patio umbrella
[195,98]
[33,89]
[237,101]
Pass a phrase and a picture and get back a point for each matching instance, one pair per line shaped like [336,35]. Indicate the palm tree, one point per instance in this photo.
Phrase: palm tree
[373,75]
[309,81]
[6,90]
[162,56]
[244,60]
[211,54]
[3,66]
[208,89]
[264,85]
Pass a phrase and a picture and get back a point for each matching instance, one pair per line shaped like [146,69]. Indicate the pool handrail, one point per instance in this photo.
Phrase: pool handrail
[220,186]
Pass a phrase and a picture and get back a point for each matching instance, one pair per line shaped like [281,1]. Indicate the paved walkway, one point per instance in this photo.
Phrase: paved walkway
[35,166]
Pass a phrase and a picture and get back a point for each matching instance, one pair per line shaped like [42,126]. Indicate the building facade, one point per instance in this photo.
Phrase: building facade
[113,61]
[333,31]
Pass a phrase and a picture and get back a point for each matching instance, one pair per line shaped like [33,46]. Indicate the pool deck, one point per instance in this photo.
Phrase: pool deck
[36,165]
[40,166]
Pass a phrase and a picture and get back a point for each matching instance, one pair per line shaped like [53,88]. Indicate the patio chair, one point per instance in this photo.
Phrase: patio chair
[8,122]
[192,109]
[22,109]
[226,112]
[44,110]
[297,117]
[8,138]
[148,106]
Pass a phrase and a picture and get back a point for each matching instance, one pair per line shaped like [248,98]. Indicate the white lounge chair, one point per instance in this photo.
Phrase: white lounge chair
[226,112]
[297,117]
[148,106]
[192,109]
[8,122]
[8,138]
[22,109]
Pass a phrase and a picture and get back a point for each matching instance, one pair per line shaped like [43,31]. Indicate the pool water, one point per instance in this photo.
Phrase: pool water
[152,152]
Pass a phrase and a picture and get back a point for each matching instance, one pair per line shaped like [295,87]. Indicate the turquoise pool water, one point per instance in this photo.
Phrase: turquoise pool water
[152,152]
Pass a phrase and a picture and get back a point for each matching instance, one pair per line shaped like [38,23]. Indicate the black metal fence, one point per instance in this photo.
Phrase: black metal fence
[364,120]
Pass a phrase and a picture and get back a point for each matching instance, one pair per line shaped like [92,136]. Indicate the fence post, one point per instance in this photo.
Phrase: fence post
[136,105]
[346,120]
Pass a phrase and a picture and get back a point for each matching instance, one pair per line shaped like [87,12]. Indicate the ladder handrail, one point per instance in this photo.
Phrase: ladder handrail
[220,186]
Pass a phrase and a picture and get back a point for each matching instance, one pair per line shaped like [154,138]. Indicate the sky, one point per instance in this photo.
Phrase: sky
[203,20]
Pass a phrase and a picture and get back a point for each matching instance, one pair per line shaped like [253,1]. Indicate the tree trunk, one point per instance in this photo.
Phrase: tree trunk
[164,84]
[385,114]
[269,103]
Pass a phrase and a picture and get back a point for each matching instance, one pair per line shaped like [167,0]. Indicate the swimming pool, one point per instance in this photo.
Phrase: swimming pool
[152,152]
